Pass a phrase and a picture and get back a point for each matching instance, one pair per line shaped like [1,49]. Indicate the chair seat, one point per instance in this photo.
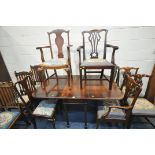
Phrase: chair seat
[115,112]
[26,99]
[142,107]
[96,62]
[45,108]
[58,62]
[7,118]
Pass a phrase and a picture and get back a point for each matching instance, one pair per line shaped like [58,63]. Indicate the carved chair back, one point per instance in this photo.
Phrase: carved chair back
[39,74]
[20,76]
[28,84]
[123,72]
[139,79]
[9,96]
[94,38]
[133,90]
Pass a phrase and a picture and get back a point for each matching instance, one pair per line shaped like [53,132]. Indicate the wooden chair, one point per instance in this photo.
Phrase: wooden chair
[115,111]
[9,102]
[39,75]
[143,107]
[96,60]
[122,72]
[45,109]
[20,76]
[58,61]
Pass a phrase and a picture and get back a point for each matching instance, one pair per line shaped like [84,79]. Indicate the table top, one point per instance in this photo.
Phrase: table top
[92,89]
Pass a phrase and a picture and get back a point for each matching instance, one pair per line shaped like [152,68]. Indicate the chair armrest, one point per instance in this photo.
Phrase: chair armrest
[121,107]
[118,107]
[113,52]
[112,46]
[68,46]
[79,48]
[42,47]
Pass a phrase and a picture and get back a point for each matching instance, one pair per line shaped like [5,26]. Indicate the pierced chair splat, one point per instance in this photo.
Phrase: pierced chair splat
[96,61]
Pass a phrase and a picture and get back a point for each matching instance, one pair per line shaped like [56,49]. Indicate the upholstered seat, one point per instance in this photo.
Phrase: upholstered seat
[7,118]
[45,108]
[55,62]
[96,61]
[26,99]
[142,107]
[115,113]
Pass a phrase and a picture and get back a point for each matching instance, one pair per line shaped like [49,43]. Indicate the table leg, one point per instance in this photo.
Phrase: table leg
[66,115]
[85,116]
[111,78]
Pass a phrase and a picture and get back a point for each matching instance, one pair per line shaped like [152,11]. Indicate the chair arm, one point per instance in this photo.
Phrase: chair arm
[42,47]
[118,107]
[112,46]
[113,52]
[79,50]
[68,46]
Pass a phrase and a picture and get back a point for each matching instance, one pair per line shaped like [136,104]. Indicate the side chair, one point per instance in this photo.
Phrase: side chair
[45,108]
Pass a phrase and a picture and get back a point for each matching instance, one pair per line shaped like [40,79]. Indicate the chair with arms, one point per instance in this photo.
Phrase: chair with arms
[45,109]
[119,111]
[122,72]
[58,61]
[143,107]
[96,46]
[9,102]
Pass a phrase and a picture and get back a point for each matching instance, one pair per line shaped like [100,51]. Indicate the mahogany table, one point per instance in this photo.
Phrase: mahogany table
[92,90]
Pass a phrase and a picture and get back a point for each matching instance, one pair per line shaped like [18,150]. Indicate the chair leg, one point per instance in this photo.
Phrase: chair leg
[150,122]
[85,74]
[102,71]
[34,123]
[53,123]
[56,75]
[25,119]
[81,78]
[111,78]
[97,123]
[66,115]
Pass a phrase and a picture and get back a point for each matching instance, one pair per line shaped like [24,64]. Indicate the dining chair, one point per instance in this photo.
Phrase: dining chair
[116,111]
[45,108]
[19,76]
[9,103]
[143,107]
[122,72]
[93,55]
[39,75]
[60,58]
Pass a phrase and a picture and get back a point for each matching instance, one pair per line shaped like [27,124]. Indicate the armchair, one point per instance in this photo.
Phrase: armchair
[58,61]
[119,111]
[91,60]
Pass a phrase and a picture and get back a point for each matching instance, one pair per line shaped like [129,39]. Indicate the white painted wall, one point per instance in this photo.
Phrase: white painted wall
[136,46]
